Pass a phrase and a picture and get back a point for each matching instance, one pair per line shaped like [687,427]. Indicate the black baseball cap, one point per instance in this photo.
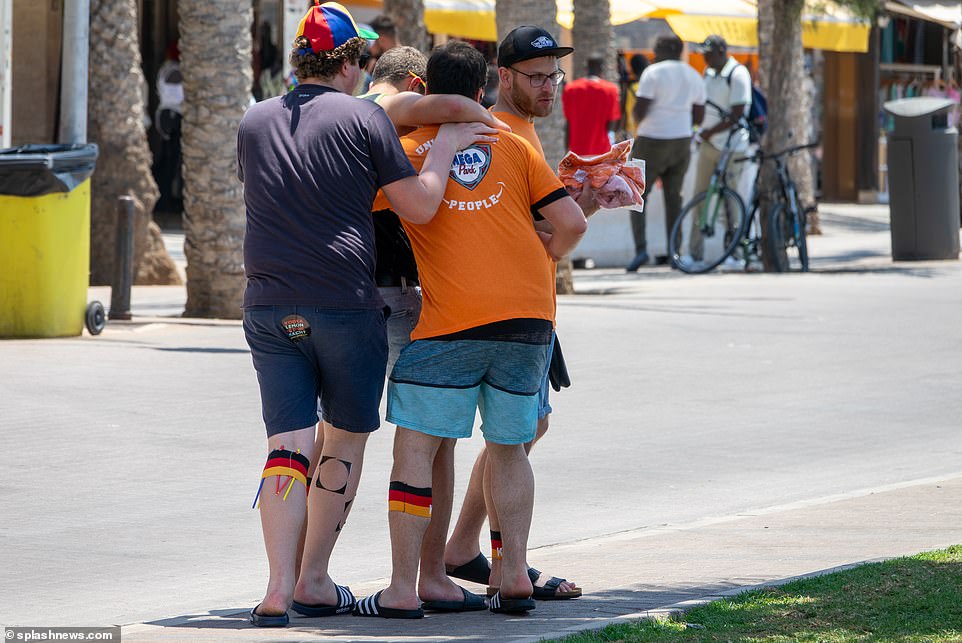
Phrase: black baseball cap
[526,42]
[713,43]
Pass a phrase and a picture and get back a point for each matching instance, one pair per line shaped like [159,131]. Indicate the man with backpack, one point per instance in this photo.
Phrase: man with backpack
[728,85]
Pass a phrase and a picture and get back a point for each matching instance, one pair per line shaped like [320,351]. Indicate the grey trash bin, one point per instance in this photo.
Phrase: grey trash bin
[923,166]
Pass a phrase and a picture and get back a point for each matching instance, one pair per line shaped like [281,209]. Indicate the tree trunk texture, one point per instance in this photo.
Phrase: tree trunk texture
[116,111]
[514,13]
[215,59]
[591,35]
[780,62]
[799,115]
[408,17]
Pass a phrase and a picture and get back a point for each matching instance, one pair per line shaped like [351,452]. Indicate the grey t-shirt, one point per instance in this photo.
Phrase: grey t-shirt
[311,162]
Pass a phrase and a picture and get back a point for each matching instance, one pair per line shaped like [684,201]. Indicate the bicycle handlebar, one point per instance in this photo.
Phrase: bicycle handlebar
[760,156]
[742,122]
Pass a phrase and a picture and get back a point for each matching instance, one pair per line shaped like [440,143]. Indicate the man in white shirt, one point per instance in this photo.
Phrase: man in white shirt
[670,100]
[728,84]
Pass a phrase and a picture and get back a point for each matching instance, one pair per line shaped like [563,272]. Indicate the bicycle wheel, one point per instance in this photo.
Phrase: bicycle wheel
[786,239]
[707,231]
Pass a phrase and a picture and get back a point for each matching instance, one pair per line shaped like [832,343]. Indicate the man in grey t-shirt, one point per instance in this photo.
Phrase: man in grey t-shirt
[311,162]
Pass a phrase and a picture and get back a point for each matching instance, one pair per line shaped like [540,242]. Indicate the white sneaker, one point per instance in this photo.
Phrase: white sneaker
[732,263]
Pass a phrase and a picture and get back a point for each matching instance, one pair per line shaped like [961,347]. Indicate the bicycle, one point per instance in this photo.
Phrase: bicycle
[711,224]
[787,220]
[790,228]
[786,242]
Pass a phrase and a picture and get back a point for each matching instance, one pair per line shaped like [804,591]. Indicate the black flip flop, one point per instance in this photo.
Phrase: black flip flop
[268,620]
[371,606]
[502,605]
[477,570]
[345,603]
[470,603]
[549,591]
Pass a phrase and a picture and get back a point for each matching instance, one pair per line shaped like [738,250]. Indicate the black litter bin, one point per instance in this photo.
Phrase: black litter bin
[923,166]
[45,241]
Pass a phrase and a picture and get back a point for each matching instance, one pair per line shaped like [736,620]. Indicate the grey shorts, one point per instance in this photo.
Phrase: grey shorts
[405,305]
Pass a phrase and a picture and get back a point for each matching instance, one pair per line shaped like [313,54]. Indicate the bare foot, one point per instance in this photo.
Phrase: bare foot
[433,588]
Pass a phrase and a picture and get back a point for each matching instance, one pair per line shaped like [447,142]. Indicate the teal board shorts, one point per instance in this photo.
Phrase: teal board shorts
[438,384]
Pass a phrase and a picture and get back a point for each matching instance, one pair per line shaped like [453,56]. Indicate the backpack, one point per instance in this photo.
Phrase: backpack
[757,113]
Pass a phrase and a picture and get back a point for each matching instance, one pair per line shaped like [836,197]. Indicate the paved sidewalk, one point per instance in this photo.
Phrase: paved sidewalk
[824,432]
[650,571]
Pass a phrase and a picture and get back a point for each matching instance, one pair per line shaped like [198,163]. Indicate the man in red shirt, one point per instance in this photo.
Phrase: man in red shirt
[591,105]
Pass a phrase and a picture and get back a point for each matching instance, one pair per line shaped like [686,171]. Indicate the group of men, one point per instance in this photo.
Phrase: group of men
[467,212]
[670,104]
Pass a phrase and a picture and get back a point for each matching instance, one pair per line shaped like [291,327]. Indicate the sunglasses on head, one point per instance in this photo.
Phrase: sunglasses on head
[424,85]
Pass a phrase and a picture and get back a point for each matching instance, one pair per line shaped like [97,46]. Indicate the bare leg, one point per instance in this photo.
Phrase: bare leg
[315,457]
[414,454]
[433,583]
[495,523]
[335,485]
[464,542]
[512,489]
[281,522]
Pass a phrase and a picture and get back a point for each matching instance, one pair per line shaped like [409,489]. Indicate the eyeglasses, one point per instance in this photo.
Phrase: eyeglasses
[364,59]
[424,85]
[538,80]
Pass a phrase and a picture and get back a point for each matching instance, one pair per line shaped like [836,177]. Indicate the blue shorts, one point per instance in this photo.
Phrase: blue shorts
[437,385]
[303,354]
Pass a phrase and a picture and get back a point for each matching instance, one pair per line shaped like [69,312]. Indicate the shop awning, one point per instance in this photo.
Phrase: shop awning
[827,28]
[947,14]
[474,19]
[824,26]
[471,19]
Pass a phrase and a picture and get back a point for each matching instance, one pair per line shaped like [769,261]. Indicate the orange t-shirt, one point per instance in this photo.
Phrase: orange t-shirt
[479,259]
[523,128]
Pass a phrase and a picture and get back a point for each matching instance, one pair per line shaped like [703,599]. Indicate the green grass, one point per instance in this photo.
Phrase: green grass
[905,599]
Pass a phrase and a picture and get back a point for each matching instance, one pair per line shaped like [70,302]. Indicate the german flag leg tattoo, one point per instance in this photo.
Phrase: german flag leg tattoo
[495,545]
[289,467]
[410,500]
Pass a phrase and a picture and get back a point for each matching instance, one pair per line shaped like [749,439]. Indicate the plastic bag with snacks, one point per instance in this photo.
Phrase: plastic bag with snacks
[617,180]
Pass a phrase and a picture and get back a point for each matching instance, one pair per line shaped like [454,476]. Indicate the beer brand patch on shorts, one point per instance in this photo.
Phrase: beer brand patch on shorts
[437,386]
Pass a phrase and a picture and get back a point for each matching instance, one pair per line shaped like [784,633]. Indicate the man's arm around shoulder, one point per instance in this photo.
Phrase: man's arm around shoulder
[410,109]
[416,198]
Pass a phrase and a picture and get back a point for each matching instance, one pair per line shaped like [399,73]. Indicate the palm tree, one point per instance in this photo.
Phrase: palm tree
[408,17]
[116,123]
[508,15]
[215,58]
[779,23]
[591,35]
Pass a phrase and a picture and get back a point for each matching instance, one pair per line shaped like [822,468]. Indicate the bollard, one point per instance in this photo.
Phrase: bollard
[123,260]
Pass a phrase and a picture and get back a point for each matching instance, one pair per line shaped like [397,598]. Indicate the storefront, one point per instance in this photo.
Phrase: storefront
[911,53]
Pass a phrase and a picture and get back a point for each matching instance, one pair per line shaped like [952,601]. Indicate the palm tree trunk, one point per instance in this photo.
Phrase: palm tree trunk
[117,93]
[215,59]
[408,17]
[779,23]
[513,13]
[591,35]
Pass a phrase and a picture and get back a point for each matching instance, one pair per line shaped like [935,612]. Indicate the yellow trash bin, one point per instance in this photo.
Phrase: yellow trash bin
[44,239]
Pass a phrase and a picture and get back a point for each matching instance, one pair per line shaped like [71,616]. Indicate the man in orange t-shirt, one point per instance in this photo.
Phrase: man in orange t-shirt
[481,344]
[529,78]
[592,107]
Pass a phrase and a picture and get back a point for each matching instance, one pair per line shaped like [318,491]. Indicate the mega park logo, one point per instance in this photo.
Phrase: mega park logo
[470,165]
